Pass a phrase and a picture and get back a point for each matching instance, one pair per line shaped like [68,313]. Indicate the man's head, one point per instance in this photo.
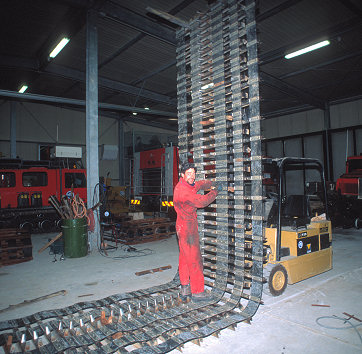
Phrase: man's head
[188,172]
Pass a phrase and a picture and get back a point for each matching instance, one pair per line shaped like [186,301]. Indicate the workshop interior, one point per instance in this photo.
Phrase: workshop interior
[102,101]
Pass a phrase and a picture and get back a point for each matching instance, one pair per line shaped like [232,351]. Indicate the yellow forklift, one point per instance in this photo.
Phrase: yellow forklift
[298,232]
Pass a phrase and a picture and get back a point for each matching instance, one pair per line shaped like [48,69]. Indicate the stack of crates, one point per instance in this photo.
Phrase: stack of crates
[15,246]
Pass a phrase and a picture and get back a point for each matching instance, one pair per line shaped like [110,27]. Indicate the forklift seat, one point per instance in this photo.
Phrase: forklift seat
[296,211]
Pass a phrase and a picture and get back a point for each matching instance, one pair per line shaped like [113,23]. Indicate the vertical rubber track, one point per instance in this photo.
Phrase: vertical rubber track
[219,127]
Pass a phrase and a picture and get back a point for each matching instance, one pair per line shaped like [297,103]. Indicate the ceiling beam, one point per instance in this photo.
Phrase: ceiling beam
[276,10]
[153,73]
[129,18]
[291,90]
[282,112]
[352,7]
[77,75]
[122,49]
[110,84]
[82,103]
[137,22]
[140,36]
[303,108]
[167,17]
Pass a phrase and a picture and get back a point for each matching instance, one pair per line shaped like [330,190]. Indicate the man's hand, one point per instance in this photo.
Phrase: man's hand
[218,186]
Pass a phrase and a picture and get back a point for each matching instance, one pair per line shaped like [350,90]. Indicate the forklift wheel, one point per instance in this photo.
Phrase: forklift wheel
[278,279]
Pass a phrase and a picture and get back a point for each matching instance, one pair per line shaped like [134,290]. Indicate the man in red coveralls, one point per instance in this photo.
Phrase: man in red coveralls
[186,201]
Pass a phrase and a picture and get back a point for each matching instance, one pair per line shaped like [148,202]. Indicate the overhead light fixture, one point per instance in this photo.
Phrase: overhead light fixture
[23,89]
[134,113]
[147,108]
[307,49]
[59,47]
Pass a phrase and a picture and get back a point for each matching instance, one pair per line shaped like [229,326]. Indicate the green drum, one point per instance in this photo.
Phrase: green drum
[75,237]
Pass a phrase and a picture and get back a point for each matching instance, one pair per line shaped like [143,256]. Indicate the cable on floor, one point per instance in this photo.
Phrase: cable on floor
[137,253]
[345,320]
[125,248]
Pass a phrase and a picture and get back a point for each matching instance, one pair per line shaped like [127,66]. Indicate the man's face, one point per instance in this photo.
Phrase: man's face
[189,176]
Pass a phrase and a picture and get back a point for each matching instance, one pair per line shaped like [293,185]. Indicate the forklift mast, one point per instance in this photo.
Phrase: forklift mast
[297,181]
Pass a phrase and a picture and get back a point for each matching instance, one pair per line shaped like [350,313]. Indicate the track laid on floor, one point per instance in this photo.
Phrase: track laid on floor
[219,124]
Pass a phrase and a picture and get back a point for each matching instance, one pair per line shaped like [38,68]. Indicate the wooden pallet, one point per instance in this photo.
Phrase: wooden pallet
[145,230]
[15,246]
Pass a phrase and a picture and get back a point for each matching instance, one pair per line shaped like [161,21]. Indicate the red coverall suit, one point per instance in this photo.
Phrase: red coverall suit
[186,201]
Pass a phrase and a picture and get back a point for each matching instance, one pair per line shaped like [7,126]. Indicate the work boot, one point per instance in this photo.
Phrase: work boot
[185,292]
[204,296]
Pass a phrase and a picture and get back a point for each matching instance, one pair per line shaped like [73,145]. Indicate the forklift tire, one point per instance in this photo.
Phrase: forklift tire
[277,280]
[358,223]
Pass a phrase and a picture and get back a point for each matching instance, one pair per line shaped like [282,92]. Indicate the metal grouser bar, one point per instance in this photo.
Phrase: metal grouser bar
[219,127]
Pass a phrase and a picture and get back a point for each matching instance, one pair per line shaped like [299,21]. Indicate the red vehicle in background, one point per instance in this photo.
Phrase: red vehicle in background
[25,188]
[154,177]
[155,173]
[347,201]
[350,183]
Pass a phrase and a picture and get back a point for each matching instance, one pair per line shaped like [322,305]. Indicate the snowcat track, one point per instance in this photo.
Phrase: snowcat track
[220,125]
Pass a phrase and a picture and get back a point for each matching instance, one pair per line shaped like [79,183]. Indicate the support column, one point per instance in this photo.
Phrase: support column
[121,153]
[92,121]
[328,158]
[13,106]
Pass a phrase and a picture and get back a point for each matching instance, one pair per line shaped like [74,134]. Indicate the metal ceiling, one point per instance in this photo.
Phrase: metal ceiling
[137,53]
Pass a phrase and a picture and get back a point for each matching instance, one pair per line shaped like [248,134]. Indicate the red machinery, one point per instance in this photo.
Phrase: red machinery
[154,177]
[350,183]
[25,187]
[155,174]
[347,200]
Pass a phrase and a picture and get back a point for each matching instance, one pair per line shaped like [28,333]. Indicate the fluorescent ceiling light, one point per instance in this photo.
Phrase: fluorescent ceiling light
[23,89]
[59,47]
[307,49]
[134,113]
[147,109]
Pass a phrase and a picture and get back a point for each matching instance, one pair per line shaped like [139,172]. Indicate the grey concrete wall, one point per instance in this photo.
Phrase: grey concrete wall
[344,117]
[346,114]
[293,124]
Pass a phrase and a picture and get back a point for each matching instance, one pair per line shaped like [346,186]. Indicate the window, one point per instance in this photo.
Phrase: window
[75,180]
[35,179]
[7,179]
[354,164]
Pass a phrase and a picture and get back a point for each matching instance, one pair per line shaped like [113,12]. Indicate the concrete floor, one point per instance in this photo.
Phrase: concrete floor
[284,324]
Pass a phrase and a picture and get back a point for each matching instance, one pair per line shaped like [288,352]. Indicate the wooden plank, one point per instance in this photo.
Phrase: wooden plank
[154,270]
[50,242]
[41,298]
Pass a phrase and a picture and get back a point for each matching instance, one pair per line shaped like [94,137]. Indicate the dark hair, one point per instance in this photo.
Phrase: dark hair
[186,166]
